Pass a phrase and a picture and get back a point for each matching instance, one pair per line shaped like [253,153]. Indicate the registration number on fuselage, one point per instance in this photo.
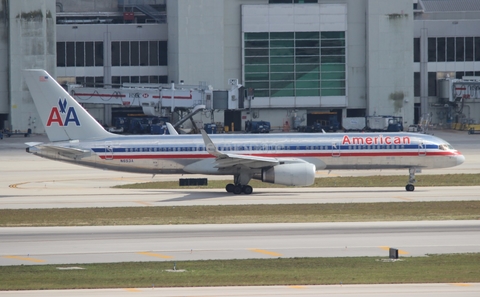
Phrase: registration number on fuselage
[126,160]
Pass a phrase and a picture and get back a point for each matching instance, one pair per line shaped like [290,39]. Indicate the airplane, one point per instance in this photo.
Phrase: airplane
[281,158]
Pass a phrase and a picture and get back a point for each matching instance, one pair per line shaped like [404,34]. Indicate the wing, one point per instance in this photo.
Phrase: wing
[229,160]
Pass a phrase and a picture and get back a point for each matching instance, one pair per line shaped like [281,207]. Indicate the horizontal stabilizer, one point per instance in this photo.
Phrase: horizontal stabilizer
[33,143]
[69,152]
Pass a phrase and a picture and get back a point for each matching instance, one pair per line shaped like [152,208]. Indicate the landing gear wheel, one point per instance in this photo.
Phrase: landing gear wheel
[410,188]
[229,188]
[237,189]
[247,189]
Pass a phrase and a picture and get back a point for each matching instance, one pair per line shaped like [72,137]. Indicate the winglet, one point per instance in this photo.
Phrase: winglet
[211,148]
[170,128]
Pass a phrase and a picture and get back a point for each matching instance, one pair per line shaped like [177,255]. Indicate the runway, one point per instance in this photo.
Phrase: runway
[394,290]
[74,245]
[22,197]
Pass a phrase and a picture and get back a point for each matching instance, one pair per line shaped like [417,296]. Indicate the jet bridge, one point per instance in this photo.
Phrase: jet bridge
[456,89]
[161,100]
[461,101]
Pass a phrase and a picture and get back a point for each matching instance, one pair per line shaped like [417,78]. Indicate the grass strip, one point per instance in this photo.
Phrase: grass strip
[340,181]
[240,214]
[451,268]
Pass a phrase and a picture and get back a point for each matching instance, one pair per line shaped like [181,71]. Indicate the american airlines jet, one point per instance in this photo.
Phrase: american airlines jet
[285,158]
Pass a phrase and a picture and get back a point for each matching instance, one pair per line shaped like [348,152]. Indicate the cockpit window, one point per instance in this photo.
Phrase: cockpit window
[445,147]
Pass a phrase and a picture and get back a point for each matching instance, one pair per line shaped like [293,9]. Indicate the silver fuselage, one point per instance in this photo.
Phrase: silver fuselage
[177,154]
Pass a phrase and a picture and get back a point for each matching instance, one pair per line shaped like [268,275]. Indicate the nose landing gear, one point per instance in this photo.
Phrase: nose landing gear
[411,180]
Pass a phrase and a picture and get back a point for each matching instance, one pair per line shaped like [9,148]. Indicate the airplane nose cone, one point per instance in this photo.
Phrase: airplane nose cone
[460,159]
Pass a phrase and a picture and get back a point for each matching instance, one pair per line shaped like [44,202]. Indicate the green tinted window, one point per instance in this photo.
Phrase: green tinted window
[282,93]
[281,35]
[256,60]
[308,76]
[281,68]
[257,85]
[330,84]
[307,84]
[262,93]
[306,51]
[281,60]
[332,35]
[307,92]
[307,60]
[256,52]
[281,52]
[333,92]
[291,1]
[281,85]
[256,68]
[281,43]
[256,44]
[279,64]
[307,43]
[256,76]
[256,36]
[307,35]
[282,76]
[332,51]
[333,43]
[333,59]
[307,68]
[333,75]
[332,67]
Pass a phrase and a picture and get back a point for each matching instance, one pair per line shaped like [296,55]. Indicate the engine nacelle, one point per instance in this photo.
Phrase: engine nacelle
[293,174]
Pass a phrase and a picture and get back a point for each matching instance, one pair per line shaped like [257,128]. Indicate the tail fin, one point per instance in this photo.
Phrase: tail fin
[63,118]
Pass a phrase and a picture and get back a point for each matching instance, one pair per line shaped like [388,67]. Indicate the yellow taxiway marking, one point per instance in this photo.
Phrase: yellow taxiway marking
[143,203]
[25,259]
[297,287]
[274,254]
[155,255]
[404,198]
[386,248]
[132,290]
[327,174]
[461,285]
[15,186]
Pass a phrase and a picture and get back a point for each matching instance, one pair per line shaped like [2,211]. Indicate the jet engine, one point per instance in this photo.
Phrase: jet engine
[293,174]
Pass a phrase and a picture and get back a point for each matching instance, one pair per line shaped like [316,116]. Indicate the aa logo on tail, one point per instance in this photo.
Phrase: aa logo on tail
[69,115]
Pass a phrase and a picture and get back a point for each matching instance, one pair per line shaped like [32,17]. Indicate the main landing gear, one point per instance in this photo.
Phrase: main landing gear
[238,189]
[240,185]
[411,180]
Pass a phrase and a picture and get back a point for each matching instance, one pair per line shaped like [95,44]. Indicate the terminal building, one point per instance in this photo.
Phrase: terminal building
[296,60]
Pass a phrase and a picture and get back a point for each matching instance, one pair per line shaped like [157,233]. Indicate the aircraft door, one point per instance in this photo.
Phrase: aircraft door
[108,150]
[422,149]
[336,150]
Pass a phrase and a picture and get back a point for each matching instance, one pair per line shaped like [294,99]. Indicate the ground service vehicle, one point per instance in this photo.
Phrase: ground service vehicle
[257,126]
